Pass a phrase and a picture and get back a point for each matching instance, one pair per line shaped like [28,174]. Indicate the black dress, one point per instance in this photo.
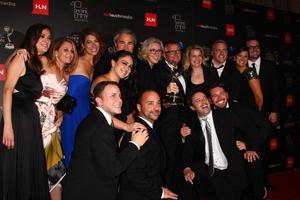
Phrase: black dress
[245,94]
[23,174]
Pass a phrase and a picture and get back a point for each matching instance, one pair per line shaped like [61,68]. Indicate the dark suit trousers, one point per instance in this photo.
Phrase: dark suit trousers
[215,187]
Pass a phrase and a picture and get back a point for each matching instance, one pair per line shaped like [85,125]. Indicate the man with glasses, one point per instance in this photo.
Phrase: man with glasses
[172,87]
[268,76]
[222,70]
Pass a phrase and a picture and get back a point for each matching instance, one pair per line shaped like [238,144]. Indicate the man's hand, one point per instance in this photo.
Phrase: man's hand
[168,194]
[241,145]
[172,88]
[140,136]
[185,130]
[189,175]
[251,156]
[273,117]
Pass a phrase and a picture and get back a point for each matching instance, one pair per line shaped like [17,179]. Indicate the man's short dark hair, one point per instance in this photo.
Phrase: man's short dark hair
[192,93]
[215,85]
[141,95]
[101,86]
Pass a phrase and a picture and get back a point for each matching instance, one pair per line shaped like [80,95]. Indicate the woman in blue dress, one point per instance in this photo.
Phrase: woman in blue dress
[79,87]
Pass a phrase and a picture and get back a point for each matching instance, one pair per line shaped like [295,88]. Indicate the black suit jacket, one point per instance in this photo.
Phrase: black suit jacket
[194,148]
[143,179]
[262,128]
[269,79]
[95,165]
[230,77]
[163,76]
[145,76]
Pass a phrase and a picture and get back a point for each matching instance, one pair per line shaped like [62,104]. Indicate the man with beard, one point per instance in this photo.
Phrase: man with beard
[143,179]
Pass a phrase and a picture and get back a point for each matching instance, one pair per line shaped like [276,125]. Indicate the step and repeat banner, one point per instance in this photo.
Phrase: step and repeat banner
[189,21]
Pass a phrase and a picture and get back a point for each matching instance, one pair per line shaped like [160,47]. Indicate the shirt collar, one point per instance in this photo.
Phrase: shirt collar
[208,116]
[257,62]
[147,121]
[217,66]
[106,115]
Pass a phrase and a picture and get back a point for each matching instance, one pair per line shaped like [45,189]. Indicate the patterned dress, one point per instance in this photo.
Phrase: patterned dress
[53,91]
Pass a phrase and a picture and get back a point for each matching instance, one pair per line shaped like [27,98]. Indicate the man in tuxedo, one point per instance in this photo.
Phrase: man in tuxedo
[212,162]
[263,129]
[269,79]
[125,39]
[170,83]
[222,70]
[96,165]
[143,178]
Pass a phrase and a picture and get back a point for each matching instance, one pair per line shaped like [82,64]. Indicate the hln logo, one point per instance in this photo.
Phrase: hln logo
[40,6]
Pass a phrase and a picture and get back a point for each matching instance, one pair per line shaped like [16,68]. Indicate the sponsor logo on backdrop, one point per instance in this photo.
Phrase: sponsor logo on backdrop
[150,19]
[271,35]
[40,7]
[75,37]
[250,31]
[179,23]
[287,38]
[6,40]
[290,162]
[249,10]
[289,100]
[206,26]
[80,13]
[117,15]
[2,72]
[206,4]
[270,14]
[230,30]
[270,56]
[8,3]
[229,8]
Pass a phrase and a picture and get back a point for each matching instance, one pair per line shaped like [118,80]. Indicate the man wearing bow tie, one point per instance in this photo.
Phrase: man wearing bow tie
[222,70]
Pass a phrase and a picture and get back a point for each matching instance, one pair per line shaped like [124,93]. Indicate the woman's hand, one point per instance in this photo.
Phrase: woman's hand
[8,138]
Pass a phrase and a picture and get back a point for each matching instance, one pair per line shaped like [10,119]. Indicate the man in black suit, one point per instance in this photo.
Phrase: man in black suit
[222,70]
[212,162]
[170,83]
[96,165]
[143,178]
[263,129]
[269,79]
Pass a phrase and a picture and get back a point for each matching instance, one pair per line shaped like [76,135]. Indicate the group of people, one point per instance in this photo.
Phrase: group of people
[161,124]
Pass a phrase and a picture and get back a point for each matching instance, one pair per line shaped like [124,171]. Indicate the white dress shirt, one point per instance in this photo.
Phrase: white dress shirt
[257,65]
[220,161]
[219,68]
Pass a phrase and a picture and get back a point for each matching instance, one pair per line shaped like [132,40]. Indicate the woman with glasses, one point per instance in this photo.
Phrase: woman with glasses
[150,53]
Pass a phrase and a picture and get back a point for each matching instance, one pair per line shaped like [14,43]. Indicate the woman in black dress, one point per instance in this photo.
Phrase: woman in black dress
[250,91]
[195,72]
[23,172]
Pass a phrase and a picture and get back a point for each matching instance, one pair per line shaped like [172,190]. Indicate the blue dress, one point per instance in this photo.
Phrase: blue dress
[78,87]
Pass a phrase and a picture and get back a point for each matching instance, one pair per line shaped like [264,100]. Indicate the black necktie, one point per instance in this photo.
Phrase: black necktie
[112,124]
[210,147]
[254,67]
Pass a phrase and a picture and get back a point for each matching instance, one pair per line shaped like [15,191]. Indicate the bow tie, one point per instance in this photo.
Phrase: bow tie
[221,66]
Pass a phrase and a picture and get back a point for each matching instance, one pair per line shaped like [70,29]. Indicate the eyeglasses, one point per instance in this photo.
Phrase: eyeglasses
[173,52]
[153,51]
[254,47]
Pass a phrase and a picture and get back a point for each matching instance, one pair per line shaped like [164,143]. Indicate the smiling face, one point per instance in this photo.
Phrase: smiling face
[254,49]
[125,42]
[196,58]
[65,53]
[219,53]
[91,45]
[241,59]
[43,42]
[154,53]
[173,53]
[122,67]
[200,104]
[149,106]
[219,97]
[110,100]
